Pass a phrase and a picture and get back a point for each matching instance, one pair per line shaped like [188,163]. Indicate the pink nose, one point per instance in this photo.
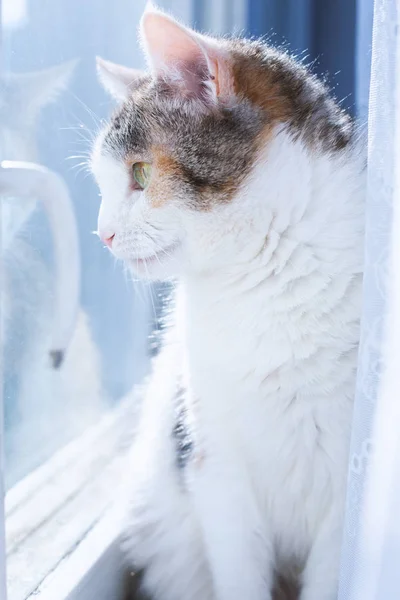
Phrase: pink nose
[108,241]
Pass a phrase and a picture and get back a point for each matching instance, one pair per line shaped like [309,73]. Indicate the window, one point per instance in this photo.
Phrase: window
[68,415]
[49,97]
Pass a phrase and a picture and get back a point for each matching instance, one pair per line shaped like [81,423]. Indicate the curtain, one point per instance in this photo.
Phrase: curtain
[371,549]
[363,47]
[2,491]
[323,30]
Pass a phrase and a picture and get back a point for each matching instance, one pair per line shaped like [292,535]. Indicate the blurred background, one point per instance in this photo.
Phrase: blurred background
[51,117]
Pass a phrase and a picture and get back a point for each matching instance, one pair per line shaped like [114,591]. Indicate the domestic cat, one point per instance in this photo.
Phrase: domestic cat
[43,406]
[18,118]
[230,167]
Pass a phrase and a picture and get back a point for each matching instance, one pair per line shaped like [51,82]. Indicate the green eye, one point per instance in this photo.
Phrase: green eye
[141,174]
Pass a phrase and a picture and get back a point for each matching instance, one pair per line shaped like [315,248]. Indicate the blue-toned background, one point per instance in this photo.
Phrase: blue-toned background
[323,31]
[332,35]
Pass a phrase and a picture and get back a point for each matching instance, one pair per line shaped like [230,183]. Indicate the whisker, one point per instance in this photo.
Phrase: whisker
[78,157]
[81,164]
[152,295]
[85,134]
[96,119]
[81,168]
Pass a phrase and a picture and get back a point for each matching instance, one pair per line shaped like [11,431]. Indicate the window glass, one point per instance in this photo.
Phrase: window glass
[50,106]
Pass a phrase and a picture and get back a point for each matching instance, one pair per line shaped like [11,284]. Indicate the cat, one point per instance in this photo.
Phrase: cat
[41,403]
[229,167]
[18,118]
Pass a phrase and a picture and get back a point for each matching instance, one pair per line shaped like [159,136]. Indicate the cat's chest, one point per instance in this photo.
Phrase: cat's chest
[250,349]
[235,341]
[293,447]
[286,406]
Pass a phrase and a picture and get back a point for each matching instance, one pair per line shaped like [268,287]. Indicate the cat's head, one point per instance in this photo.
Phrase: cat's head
[22,97]
[181,164]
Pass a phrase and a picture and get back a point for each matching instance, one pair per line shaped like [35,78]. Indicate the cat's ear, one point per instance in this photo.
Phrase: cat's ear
[39,88]
[196,64]
[117,80]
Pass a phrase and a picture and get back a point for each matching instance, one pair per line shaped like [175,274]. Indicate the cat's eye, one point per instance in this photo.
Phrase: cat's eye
[141,174]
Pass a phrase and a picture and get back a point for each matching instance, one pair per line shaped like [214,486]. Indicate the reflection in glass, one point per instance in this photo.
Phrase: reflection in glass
[47,96]
[42,404]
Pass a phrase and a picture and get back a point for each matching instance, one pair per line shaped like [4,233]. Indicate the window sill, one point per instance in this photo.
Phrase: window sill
[61,528]
[94,570]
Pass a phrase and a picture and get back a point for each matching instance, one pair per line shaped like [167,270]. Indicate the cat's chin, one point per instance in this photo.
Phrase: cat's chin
[159,266]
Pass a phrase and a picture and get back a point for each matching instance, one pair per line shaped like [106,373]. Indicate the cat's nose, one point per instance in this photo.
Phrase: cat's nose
[107,239]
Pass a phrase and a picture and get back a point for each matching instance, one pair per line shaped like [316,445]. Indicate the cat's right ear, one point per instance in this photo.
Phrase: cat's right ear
[117,80]
[195,65]
[39,88]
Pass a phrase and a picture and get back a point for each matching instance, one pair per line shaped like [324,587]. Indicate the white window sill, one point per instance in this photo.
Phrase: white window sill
[93,571]
[61,528]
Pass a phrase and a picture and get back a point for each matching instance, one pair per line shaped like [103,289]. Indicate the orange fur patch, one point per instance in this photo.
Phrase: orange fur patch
[163,179]
[262,87]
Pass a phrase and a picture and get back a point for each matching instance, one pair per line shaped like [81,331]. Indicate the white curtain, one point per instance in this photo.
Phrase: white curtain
[2,492]
[371,550]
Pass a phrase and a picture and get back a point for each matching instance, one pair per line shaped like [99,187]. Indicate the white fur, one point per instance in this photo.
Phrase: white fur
[268,323]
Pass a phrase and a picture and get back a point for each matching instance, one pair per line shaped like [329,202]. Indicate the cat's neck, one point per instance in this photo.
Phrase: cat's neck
[301,212]
[292,296]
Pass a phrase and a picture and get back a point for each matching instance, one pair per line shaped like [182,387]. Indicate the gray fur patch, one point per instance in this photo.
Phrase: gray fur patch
[181,433]
[312,113]
[214,149]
